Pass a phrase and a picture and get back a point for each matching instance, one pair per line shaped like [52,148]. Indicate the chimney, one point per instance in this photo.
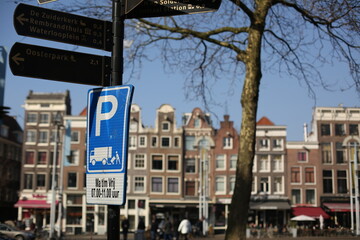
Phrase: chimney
[305,133]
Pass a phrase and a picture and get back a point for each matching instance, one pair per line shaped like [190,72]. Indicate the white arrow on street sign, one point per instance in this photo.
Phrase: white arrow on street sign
[45,1]
[108,114]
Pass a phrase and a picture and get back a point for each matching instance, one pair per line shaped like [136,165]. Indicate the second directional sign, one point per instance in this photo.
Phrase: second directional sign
[158,8]
[63,27]
[54,64]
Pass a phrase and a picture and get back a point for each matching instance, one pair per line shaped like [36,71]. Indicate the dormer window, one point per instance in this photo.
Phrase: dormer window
[133,126]
[227,143]
[197,123]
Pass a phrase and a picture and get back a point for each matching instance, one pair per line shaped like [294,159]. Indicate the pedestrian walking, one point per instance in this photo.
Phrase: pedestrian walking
[125,228]
[185,228]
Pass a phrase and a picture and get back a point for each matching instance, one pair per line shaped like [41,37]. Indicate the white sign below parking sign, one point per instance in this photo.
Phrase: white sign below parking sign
[107,143]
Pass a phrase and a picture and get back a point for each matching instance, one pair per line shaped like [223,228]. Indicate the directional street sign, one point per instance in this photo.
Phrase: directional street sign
[158,8]
[63,27]
[108,114]
[54,64]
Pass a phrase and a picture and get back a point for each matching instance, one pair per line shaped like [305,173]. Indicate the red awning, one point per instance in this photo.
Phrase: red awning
[339,207]
[33,204]
[314,212]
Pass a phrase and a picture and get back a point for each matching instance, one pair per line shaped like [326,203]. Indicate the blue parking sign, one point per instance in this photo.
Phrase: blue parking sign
[108,114]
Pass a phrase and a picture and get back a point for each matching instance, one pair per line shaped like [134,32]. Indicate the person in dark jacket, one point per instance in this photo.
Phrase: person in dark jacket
[125,228]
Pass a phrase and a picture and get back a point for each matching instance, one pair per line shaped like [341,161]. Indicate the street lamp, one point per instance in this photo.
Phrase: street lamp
[57,123]
[351,143]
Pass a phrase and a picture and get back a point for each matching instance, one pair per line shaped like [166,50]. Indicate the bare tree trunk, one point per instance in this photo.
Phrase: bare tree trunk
[249,101]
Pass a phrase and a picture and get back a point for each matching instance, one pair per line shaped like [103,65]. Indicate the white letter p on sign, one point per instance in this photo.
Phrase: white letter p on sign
[107,115]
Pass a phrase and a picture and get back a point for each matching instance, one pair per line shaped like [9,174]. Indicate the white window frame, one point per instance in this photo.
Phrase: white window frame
[157,141]
[291,196]
[161,143]
[48,119]
[282,190]
[34,137]
[267,163]
[135,160]
[217,191]
[228,142]
[77,180]
[278,165]
[76,157]
[179,142]
[233,158]
[144,138]
[264,144]
[223,159]
[269,184]
[78,136]
[162,183]
[32,122]
[281,143]
[164,123]
[167,185]
[232,180]
[254,183]
[151,165]
[135,182]
[178,162]
[47,137]
[132,142]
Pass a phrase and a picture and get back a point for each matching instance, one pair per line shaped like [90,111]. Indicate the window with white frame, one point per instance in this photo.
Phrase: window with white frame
[189,142]
[189,165]
[132,142]
[197,122]
[31,118]
[263,144]
[278,185]
[295,196]
[133,126]
[139,161]
[157,162]
[28,181]
[278,163]
[277,144]
[156,184]
[29,157]
[43,136]
[302,156]
[72,180]
[142,141]
[264,185]
[254,185]
[177,142]
[42,158]
[220,185]
[165,126]
[40,181]
[310,196]
[154,141]
[173,185]
[173,162]
[31,136]
[264,163]
[220,162]
[232,184]
[233,161]
[75,136]
[139,184]
[227,142]
[44,118]
[74,157]
[165,142]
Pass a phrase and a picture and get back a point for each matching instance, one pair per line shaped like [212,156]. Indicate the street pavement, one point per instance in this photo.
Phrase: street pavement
[215,237]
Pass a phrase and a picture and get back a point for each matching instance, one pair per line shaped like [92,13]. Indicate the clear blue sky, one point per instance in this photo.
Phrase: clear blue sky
[282,100]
